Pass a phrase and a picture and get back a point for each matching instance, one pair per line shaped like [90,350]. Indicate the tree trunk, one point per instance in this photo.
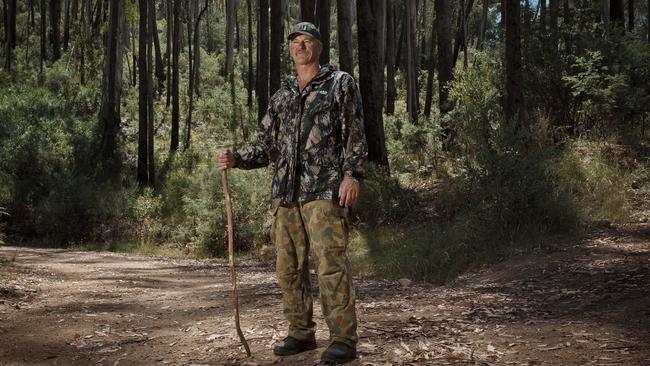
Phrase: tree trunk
[230,34]
[604,11]
[617,12]
[542,17]
[134,57]
[209,36]
[152,31]
[432,66]
[553,12]
[82,43]
[370,19]
[468,10]
[422,32]
[458,40]
[630,15]
[237,35]
[75,10]
[515,109]
[190,8]
[647,16]
[445,67]
[196,68]
[566,13]
[98,15]
[66,25]
[11,23]
[193,76]
[176,40]
[390,57]
[110,110]
[483,25]
[169,49]
[105,11]
[344,35]
[461,37]
[249,84]
[277,38]
[43,43]
[527,18]
[262,87]
[32,15]
[55,17]
[401,40]
[143,92]
[323,20]
[308,11]
[411,55]
[160,68]
[5,13]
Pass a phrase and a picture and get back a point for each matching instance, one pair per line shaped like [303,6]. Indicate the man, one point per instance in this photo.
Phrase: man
[313,134]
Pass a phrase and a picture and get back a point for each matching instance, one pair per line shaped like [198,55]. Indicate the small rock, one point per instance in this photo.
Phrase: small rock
[404,282]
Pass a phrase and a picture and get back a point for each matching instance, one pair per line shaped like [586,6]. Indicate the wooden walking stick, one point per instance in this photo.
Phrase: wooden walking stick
[231,259]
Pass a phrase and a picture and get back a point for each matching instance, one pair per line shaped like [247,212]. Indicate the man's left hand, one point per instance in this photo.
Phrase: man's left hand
[348,192]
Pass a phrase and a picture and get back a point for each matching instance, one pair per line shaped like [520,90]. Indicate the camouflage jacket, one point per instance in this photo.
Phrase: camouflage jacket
[312,137]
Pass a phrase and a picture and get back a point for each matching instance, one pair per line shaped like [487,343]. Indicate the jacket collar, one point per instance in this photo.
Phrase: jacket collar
[324,73]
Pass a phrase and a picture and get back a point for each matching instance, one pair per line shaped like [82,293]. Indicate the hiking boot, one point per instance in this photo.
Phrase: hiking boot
[291,346]
[338,353]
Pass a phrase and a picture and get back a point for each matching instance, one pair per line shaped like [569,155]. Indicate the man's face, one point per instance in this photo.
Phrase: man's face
[304,49]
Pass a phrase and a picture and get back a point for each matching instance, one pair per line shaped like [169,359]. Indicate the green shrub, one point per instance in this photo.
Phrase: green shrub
[383,201]
[593,182]
[193,207]
[147,213]
[500,194]
[598,91]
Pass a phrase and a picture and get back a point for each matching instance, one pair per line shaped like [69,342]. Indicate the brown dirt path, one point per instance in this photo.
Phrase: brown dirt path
[587,304]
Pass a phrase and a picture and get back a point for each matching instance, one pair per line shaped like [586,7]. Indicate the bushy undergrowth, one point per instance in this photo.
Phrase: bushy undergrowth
[508,191]
[46,152]
[193,210]
[51,185]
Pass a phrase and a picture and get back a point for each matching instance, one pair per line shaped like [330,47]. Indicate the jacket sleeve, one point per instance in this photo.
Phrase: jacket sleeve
[355,151]
[260,152]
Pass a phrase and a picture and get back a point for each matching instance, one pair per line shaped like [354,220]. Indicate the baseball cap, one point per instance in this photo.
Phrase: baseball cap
[305,28]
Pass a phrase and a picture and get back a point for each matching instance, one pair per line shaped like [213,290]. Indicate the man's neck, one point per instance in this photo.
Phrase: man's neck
[306,73]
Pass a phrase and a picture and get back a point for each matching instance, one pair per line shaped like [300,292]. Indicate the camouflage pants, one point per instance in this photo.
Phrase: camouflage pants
[322,227]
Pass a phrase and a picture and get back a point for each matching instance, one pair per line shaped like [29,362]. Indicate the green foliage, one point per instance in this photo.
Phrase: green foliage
[147,213]
[414,149]
[47,139]
[384,201]
[500,194]
[477,113]
[589,175]
[598,92]
[193,206]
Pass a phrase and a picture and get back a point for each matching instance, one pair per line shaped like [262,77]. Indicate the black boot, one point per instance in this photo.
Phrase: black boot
[337,353]
[291,346]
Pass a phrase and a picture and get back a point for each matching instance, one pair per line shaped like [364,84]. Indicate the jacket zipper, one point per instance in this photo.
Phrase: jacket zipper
[296,169]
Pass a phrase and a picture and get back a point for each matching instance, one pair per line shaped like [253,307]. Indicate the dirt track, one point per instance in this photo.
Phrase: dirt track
[582,305]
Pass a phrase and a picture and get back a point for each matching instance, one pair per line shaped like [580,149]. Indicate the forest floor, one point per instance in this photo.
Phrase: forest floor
[584,303]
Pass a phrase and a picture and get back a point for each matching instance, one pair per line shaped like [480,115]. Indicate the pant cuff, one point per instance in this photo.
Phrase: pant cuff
[347,341]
